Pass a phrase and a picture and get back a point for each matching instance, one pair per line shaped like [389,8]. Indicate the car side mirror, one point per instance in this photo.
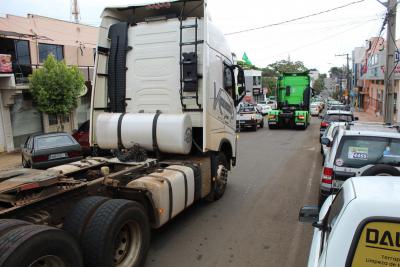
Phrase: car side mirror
[356,118]
[309,214]
[325,141]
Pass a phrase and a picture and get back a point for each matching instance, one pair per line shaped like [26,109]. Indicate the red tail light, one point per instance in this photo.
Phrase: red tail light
[40,158]
[301,117]
[327,176]
[324,124]
[73,154]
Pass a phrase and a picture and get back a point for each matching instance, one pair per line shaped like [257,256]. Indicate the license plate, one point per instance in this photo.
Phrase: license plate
[272,122]
[337,183]
[58,156]
[242,121]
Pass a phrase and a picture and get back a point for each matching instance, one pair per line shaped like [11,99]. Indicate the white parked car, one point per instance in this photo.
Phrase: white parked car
[272,103]
[330,133]
[315,109]
[358,227]
[249,116]
[360,149]
[264,108]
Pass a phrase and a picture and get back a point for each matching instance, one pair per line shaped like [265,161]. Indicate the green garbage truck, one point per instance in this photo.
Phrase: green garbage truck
[293,98]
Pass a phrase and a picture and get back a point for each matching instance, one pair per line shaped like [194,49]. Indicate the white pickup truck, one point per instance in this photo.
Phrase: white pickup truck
[358,227]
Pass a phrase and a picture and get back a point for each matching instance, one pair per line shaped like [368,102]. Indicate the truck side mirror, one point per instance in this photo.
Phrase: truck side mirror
[309,214]
[240,76]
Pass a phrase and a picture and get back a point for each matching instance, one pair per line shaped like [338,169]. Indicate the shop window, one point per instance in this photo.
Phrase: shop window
[256,80]
[47,49]
[53,119]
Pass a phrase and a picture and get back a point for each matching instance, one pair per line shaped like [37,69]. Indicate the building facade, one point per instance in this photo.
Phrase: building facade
[253,83]
[29,40]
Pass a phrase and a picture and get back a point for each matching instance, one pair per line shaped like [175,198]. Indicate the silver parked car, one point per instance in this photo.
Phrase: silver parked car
[48,150]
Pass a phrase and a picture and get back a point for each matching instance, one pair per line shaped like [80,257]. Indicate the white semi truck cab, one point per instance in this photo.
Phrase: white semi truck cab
[164,99]
[165,80]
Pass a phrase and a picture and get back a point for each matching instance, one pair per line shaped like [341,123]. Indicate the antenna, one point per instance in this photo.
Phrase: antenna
[75,11]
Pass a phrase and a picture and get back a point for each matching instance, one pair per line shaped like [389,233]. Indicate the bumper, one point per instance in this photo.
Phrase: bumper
[299,123]
[250,123]
[55,162]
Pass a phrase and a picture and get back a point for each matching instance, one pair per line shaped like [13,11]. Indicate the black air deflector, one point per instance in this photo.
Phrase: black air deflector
[118,34]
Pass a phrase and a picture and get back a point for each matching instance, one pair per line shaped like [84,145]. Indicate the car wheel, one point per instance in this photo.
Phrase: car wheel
[381,170]
[25,163]
[254,128]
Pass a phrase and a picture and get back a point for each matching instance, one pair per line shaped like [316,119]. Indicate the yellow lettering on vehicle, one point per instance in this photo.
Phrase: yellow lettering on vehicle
[379,245]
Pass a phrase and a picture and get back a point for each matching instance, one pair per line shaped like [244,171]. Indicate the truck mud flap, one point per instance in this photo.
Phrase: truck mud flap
[118,34]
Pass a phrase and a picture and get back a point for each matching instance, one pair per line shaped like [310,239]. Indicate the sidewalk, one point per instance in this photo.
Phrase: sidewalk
[367,117]
[10,160]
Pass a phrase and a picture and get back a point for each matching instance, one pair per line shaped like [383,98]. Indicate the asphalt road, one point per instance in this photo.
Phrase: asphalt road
[255,223]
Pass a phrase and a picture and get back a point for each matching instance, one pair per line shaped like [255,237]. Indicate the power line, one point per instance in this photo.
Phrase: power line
[295,19]
[321,40]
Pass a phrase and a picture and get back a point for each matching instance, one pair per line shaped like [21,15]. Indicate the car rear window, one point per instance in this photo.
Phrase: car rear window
[53,141]
[338,117]
[358,151]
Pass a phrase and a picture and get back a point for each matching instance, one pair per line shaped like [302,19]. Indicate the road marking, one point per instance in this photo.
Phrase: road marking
[296,238]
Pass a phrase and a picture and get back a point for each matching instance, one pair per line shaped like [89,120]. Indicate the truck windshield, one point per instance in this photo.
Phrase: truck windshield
[339,117]
[358,151]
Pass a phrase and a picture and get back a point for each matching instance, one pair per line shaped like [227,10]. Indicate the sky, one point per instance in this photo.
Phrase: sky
[314,41]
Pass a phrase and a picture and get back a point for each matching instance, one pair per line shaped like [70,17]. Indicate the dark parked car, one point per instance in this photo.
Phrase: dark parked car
[335,116]
[82,137]
[48,150]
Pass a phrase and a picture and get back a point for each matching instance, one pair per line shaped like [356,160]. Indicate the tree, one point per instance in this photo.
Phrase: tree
[56,88]
[288,66]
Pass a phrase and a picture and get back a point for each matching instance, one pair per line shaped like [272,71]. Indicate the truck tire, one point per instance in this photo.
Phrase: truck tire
[77,219]
[381,170]
[219,174]
[255,126]
[39,245]
[7,225]
[118,234]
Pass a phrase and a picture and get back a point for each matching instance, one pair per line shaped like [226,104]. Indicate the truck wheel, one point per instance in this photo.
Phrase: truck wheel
[7,225]
[254,128]
[80,215]
[39,245]
[219,169]
[118,234]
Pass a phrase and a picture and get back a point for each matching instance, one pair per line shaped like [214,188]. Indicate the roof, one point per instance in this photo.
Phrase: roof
[339,112]
[377,189]
[373,129]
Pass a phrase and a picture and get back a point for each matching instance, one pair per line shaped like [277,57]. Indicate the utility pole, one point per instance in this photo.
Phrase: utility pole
[390,65]
[348,78]
[75,10]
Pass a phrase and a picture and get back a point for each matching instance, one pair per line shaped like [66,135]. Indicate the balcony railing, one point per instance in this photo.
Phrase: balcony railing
[21,72]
